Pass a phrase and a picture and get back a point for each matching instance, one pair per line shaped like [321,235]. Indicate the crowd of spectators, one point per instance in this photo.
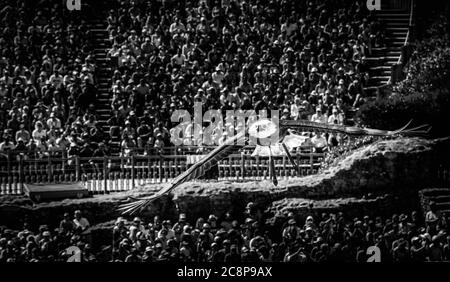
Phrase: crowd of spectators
[47,244]
[405,237]
[303,58]
[327,238]
[47,79]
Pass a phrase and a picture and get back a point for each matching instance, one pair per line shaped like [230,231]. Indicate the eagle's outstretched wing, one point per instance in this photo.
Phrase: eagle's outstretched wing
[353,130]
[237,142]
[194,172]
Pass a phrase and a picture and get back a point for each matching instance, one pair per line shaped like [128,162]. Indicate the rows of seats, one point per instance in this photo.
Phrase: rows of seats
[303,58]
[47,79]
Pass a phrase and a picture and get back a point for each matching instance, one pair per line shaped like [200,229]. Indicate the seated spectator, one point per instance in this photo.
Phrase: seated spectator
[319,142]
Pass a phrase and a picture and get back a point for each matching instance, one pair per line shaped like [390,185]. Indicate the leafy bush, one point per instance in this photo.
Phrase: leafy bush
[431,108]
[429,67]
[425,93]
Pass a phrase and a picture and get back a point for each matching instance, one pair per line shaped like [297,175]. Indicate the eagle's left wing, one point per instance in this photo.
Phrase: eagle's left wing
[194,172]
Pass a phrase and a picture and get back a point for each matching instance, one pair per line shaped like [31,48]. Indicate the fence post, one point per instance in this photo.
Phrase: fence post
[77,168]
[242,166]
[160,168]
[49,169]
[132,171]
[21,174]
[311,162]
[105,173]
[9,177]
[63,161]
[257,167]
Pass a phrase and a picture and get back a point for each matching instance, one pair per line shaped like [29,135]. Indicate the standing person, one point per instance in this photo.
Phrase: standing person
[431,219]
[82,225]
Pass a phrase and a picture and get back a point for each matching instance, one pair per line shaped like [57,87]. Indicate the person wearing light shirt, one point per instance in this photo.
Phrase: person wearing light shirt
[319,142]
[295,109]
[23,134]
[319,117]
[56,79]
[80,222]
[39,133]
[53,122]
[177,26]
[335,118]
[179,58]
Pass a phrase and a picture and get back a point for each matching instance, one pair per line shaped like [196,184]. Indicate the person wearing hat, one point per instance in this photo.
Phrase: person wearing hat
[66,225]
[129,131]
[159,142]
[335,117]
[418,250]
[148,255]
[431,219]
[212,220]
[181,222]
[291,232]
[319,116]
[166,231]
[53,121]
[135,229]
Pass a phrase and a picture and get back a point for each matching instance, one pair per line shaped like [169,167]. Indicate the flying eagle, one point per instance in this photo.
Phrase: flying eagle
[264,129]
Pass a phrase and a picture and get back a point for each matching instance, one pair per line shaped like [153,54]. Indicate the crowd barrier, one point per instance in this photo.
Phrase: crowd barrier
[122,173]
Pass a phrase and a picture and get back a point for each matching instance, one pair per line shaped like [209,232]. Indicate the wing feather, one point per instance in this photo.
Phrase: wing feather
[194,172]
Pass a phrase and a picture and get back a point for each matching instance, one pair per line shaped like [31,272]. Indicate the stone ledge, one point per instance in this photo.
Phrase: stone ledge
[395,166]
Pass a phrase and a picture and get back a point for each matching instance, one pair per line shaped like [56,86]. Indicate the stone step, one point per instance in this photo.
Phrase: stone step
[394,19]
[396,24]
[394,52]
[443,206]
[392,13]
[399,33]
[381,68]
[98,30]
[103,111]
[396,29]
[379,80]
[397,43]
[441,199]
[436,192]
[390,40]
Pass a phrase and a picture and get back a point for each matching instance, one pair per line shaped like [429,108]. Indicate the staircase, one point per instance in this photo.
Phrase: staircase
[101,44]
[439,196]
[382,59]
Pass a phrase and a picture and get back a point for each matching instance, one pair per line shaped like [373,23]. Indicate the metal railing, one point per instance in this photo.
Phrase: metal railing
[397,69]
[396,4]
[115,174]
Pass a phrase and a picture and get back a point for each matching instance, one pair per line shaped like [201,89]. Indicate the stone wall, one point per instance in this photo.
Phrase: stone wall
[397,167]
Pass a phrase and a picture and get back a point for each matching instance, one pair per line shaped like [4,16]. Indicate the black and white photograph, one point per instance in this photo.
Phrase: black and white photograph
[231,134]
